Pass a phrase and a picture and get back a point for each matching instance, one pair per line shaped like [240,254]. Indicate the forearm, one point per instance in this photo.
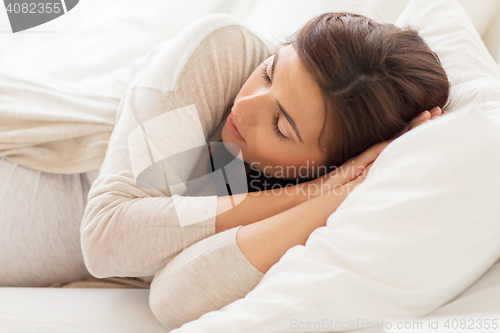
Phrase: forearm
[221,261]
[247,208]
[134,224]
[263,243]
[204,277]
[127,233]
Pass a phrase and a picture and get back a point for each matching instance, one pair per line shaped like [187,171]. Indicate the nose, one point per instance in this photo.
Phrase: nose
[251,107]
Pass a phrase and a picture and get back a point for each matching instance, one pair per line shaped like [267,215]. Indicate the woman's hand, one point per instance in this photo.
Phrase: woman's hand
[355,166]
[263,243]
[340,193]
[422,118]
[348,172]
[425,117]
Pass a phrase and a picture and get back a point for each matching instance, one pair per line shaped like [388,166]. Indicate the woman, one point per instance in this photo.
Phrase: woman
[344,75]
[343,79]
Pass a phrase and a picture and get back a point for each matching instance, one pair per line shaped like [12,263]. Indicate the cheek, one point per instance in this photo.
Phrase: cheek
[272,152]
[291,159]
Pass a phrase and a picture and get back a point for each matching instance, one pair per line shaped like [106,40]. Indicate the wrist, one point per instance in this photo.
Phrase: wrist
[294,194]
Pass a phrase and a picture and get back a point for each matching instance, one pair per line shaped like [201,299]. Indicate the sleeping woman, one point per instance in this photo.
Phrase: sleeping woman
[328,102]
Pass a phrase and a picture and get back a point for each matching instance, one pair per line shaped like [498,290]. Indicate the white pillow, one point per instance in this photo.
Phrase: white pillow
[492,37]
[425,228]
[276,19]
[99,36]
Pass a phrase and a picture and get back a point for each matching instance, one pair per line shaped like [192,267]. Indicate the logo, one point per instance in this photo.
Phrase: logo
[26,14]
[169,153]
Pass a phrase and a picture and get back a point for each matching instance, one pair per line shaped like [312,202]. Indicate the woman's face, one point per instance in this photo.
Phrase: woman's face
[279,113]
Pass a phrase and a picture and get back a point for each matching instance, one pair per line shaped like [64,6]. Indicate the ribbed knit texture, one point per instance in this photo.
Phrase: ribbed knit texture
[135,224]
[227,277]
[196,209]
[131,230]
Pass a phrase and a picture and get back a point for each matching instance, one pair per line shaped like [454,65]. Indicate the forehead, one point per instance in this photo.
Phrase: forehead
[299,94]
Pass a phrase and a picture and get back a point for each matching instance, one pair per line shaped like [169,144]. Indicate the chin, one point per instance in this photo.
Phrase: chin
[230,143]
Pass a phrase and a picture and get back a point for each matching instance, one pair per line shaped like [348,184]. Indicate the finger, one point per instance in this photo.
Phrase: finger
[353,167]
[362,174]
[368,167]
[431,118]
[355,182]
[436,111]
[366,170]
[421,117]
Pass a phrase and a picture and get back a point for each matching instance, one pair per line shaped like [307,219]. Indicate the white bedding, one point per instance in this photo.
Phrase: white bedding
[99,36]
[75,310]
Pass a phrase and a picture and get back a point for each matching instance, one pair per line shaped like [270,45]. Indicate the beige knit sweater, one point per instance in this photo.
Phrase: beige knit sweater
[129,230]
[174,98]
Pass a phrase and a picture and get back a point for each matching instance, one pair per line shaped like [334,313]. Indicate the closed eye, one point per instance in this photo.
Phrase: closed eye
[264,74]
[277,131]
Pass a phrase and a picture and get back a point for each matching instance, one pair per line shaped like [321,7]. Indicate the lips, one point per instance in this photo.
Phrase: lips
[232,127]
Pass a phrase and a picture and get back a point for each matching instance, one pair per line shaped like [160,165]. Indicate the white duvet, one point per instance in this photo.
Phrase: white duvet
[427,225]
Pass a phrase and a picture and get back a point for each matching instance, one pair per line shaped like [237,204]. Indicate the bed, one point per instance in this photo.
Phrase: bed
[298,295]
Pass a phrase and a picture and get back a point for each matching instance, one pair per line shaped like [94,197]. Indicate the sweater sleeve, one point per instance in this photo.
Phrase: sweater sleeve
[137,220]
[180,292]
[131,228]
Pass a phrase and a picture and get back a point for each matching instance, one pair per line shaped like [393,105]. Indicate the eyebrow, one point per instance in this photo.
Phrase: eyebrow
[286,114]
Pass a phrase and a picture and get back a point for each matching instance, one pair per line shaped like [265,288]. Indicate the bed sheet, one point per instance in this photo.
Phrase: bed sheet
[62,310]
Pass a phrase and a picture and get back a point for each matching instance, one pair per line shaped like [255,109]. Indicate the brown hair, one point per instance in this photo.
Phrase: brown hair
[375,78]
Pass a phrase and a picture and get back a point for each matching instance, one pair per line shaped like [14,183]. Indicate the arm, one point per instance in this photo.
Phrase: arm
[263,243]
[225,267]
[129,229]
[237,259]
[270,203]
